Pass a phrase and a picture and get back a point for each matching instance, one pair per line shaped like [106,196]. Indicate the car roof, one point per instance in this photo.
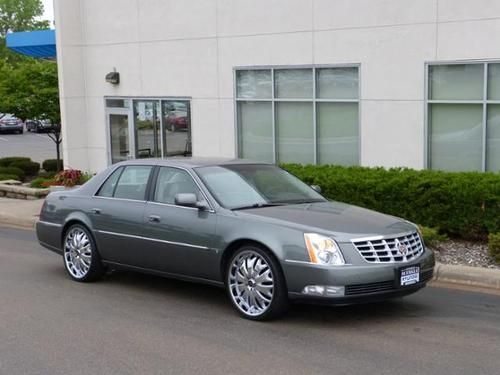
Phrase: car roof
[189,162]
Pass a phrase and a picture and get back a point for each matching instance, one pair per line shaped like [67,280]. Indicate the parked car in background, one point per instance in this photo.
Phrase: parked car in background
[252,228]
[11,124]
[177,115]
[39,126]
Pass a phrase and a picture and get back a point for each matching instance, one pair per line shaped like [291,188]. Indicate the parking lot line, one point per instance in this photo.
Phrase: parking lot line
[3,139]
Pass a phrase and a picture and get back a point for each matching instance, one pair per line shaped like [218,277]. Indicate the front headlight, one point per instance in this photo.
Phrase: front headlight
[323,250]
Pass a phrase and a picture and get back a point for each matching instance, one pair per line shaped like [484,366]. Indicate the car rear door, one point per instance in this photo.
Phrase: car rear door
[181,238]
[117,214]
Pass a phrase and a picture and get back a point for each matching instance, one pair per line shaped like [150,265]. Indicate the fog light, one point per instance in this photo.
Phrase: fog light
[324,290]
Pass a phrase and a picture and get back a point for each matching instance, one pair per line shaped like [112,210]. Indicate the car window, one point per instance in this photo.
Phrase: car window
[108,187]
[133,182]
[173,181]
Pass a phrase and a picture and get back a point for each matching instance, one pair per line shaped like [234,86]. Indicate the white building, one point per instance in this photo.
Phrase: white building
[354,82]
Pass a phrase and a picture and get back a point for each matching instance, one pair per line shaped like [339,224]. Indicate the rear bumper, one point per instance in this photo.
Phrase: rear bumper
[11,128]
[358,284]
[49,235]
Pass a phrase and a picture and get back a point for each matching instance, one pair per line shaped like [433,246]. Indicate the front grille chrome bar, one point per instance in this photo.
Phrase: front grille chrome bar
[387,249]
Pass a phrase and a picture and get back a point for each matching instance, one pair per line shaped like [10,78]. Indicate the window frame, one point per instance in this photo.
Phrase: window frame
[154,181]
[484,102]
[314,101]
[149,183]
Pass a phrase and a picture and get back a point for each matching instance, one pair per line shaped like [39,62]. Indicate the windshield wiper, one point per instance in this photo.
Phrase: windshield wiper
[299,201]
[256,205]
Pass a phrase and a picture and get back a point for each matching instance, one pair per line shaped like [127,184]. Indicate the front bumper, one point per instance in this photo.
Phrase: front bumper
[365,283]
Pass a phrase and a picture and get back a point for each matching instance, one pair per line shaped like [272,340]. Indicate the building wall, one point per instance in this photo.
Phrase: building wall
[190,47]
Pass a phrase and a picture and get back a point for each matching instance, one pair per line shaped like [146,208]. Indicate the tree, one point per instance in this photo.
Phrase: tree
[30,90]
[19,15]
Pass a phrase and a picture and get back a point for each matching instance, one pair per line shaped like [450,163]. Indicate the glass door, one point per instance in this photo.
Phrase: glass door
[176,115]
[119,137]
[147,129]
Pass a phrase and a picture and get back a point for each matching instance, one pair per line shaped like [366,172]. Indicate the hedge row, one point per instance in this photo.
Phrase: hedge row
[19,173]
[28,167]
[464,204]
[51,165]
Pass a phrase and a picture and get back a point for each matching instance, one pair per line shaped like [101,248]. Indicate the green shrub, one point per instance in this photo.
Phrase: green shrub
[50,165]
[431,236]
[463,204]
[4,177]
[41,182]
[13,171]
[494,246]
[6,162]
[46,175]
[30,168]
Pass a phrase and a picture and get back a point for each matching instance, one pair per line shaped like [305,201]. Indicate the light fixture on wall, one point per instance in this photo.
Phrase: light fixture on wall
[113,77]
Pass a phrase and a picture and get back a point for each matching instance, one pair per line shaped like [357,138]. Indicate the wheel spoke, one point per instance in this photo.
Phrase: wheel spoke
[77,253]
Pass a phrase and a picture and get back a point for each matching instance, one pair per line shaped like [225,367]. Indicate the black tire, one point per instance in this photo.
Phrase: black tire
[21,131]
[95,269]
[279,303]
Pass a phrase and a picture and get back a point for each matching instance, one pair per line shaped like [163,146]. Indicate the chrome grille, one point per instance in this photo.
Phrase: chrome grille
[390,249]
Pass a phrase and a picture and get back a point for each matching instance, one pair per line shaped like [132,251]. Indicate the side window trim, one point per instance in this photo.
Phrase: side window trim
[99,189]
[156,172]
[117,182]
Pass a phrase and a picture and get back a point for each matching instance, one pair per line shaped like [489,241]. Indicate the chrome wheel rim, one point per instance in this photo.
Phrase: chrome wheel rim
[251,283]
[77,253]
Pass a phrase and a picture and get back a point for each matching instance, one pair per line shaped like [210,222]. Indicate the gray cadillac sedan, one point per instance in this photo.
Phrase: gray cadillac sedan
[252,228]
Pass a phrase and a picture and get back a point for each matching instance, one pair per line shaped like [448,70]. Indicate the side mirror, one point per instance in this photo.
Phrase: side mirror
[189,200]
[316,188]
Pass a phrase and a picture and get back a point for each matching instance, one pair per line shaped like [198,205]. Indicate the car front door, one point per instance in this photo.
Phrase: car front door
[117,214]
[181,237]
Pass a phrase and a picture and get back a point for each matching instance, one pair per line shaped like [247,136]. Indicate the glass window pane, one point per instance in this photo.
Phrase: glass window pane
[338,133]
[176,127]
[337,83]
[120,147]
[493,140]
[456,82]
[147,128]
[133,182]
[253,84]
[456,137]
[108,187]
[494,81]
[255,131]
[117,103]
[293,83]
[294,132]
[173,181]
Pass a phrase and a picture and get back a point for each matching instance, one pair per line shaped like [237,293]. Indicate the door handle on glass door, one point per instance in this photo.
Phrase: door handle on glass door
[154,219]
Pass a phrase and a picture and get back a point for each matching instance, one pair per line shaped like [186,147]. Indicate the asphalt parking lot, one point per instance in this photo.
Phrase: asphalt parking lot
[135,324]
[38,147]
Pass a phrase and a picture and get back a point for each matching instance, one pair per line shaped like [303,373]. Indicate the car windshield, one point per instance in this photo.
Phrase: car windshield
[240,186]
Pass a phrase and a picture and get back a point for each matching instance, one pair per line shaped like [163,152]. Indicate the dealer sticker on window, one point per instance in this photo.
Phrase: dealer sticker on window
[409,275]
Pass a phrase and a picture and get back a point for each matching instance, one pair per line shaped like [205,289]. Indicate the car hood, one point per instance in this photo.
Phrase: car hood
[342,221]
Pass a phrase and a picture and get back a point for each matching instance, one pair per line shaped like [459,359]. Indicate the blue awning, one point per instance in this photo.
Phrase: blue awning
[38,44]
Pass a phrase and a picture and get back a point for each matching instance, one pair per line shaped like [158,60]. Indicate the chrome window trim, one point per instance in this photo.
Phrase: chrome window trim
[155,240]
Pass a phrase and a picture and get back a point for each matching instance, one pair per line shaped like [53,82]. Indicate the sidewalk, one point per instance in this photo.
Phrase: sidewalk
[19,212]
[24,213]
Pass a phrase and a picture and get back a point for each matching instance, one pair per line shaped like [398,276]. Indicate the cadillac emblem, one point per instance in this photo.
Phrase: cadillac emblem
[402,248]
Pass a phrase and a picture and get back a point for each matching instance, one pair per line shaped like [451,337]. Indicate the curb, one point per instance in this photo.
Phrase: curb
[468,276]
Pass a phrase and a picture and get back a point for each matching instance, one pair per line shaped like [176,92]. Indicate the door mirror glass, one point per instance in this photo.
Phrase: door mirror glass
[316,188]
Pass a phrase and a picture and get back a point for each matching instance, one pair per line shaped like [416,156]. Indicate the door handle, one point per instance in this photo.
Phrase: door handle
[154,219]
[96,211]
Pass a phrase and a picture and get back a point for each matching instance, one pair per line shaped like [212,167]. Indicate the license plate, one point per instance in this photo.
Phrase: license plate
[409,275]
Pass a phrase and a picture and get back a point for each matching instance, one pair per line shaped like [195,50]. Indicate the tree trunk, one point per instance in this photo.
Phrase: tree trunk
[58,153]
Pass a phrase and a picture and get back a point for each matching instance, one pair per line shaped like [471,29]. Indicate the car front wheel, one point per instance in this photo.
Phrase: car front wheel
[256,285]
[81,259]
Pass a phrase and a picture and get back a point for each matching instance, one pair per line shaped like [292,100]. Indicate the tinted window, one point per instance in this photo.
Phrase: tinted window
[173,181]
[108,187]
[133,182]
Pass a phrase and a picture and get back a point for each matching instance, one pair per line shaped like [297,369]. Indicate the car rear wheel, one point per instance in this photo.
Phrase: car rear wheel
[256,285]
[81,258]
